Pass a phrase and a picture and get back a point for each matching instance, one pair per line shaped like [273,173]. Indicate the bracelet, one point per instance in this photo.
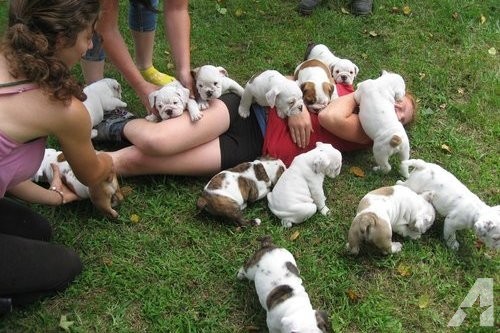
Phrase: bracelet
[53,188]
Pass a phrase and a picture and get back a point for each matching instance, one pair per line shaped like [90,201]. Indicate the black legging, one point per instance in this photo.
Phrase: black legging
[30,267]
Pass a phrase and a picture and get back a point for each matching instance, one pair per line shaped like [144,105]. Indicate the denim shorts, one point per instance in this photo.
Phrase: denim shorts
[140,19]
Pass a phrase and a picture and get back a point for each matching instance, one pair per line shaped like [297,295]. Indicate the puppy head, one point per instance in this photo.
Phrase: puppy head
[426,213]
[310,321]
[170,101]
[487,227]
[344,71]
[287,99]
[327,160]
[274,168]
[114,86]
[394,83]
[209,81]
[316,97]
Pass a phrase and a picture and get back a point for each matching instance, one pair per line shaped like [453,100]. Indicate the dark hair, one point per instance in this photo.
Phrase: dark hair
[34,28]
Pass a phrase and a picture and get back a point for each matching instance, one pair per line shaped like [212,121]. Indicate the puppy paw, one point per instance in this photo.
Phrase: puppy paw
[257,222]
[352,250]
[152,118]
[454,245]
[203,105]
[196,116]
[244,113]
[241,273]
[396,247]
[325,211]
[286,223]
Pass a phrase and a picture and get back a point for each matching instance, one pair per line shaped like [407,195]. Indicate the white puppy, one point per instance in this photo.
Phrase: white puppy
[102,95]
[386,210]
[212,82]
[45,174]
[343,70]
[228,192]
[170,101]
[271,88]
[461,208]
[299,191]
[376,99]
[280,291]
[314,79]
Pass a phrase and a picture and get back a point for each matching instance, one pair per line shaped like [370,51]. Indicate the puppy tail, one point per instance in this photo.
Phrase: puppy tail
[265,241]
[395,141]
[201,203]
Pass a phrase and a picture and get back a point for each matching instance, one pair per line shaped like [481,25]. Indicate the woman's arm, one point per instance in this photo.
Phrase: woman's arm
[178,32]
[340,119]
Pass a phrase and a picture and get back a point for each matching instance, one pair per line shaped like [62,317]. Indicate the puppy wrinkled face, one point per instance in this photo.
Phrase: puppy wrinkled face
[487,228]
[425,217]
[169,106]
[209,89]
[344,72]
[291,106]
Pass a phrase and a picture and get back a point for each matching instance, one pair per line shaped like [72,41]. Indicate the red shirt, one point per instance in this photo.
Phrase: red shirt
[278,141]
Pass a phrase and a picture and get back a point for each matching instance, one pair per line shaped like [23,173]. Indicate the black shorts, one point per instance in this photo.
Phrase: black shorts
[243,141]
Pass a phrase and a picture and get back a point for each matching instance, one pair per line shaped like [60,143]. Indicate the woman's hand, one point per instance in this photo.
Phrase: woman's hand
[57,185]
[300,128]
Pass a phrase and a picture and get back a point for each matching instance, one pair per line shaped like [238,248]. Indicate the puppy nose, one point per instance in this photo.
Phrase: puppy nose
[209,93]
[169,112]
[343,77]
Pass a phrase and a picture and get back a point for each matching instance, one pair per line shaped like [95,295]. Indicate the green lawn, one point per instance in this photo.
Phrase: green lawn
[175,269]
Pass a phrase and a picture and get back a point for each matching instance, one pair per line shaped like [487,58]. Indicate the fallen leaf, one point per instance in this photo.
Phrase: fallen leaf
[126,190]
[446,148]
[492,51]
[372,33]
[344,11]
[461,91]
[170,65]
[238,12]
[134,218]
[64,323]
[406,10]
[478,243]
[442,106]
[364,55]
[352,295]
[295,235]
[423,301]
[357,171]
[107,261]
[403,270]
[482,19]
[455,15]
[421,75]
[220,9]
[395,10]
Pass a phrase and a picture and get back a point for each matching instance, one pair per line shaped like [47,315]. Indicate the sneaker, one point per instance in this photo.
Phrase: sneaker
[110,129]
[152,75]
[361,7]
[306,6]
[5,305]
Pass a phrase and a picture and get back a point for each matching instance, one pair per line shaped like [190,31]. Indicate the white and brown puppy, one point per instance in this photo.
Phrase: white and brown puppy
[170,101]
[271,88]
[229,191]
[280,291]
[45,174]
[461,208]
[211,82]
[103,95]
[386,210]
[342,70]
[376,99]
[298,194]
[315,81]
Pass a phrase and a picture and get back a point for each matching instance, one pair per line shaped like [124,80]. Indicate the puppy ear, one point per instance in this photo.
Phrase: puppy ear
[194,72]
[183,93]
[222,70]
[428,195]
[320,162]
[152,98]
[383,72]
[319,143]
[271,97]
[356,70]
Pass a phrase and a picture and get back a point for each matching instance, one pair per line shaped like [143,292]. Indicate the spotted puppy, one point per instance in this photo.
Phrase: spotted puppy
[45,174]
[228,192]
[343,71]
[211,82]
[386,210]
[461,208]
[271,88]
[315,81]
[298,194]
[280,291]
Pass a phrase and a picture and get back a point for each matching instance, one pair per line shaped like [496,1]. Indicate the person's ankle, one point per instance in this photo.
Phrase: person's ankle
[5,305]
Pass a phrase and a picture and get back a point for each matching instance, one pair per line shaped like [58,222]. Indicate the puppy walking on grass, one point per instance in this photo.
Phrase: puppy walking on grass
[279,287]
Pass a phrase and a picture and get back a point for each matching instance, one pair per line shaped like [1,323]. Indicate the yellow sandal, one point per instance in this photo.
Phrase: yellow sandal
[152,75]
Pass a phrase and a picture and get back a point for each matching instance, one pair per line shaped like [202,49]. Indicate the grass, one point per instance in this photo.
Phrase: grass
[175,269]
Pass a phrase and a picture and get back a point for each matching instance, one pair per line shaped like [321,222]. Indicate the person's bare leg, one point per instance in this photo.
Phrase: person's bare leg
[92,70]
[199,161]
[144,42]
[179,134]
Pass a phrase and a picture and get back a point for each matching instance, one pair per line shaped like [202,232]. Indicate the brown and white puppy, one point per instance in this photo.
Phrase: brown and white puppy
[343,70]
[386,210]
[315,81]
[44,174]
[280,291]
[228,192]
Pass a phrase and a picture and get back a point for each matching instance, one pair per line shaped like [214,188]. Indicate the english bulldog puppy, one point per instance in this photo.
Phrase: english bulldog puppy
[315,81]
[211,82]
[386,210]
[279,287]
[170,101]
[298,194]
[461,208]
[103,95]
[229,191]
[376,99]
[342,70]
[271,88]
[45,174]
